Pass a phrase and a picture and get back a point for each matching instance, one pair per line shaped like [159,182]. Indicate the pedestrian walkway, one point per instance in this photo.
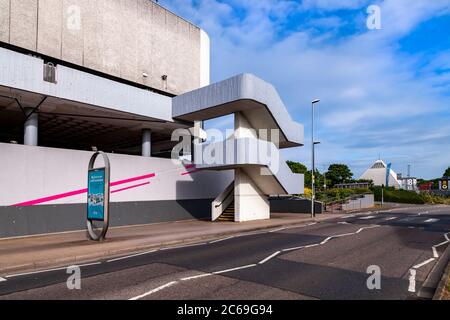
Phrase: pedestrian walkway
[37,252]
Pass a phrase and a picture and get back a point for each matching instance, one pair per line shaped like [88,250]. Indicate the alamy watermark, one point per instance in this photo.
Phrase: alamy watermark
[373,21]
[74,280]
[73,18]
[259,147]
[374,280]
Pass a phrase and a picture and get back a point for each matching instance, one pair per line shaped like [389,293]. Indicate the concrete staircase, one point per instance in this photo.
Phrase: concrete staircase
[228,214]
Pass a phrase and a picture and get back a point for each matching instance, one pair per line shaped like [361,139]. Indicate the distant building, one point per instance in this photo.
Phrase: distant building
[378,172]
[407,183]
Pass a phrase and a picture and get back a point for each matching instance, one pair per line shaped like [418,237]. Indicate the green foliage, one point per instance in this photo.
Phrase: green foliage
[404,196]
[447,172]
[297,167]
[338,173]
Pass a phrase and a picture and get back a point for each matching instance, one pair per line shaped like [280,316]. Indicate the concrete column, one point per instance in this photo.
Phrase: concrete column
[31,128]
[250,202]
[146,143]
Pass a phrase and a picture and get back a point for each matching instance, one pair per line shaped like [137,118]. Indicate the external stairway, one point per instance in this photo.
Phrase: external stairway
[262,126]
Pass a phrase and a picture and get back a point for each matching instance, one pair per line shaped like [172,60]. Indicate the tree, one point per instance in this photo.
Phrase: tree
[300,168]
[297,167]
[447,172]
[338,173]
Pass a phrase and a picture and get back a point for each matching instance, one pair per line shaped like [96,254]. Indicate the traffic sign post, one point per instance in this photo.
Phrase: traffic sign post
[98,197]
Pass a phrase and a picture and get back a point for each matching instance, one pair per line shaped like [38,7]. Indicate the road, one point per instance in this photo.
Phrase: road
[327,260]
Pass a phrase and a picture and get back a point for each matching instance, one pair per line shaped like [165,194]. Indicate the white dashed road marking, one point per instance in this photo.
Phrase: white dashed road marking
[367,218]
[235,269]
[220,240]
[269,257]
[131,256]
[431,220]
[155,290]
[420,265]
[196,277]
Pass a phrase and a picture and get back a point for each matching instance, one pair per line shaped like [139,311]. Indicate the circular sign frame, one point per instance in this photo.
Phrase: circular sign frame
[90,227]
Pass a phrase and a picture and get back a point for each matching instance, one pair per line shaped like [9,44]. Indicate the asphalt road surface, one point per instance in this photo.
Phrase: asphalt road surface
[327,260]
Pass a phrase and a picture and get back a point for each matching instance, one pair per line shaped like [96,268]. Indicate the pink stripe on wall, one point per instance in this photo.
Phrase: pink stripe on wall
[51,198]
[147,176]
[81,191]
[131,187]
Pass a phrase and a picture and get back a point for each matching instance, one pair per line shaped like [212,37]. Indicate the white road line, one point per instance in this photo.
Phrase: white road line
[291,249]
[293,227]
[367,218]
[50,270]
[279,229]
[343,222]
[435,253]
[86,264]
[34,272]
[196,277]
[446,236]
[223,239]
[269,257]
[312,245]
[234,269]
[420,265]
[344,235]
[183,246]
[2,279]
[131,256]
[431,220]
[326,240]
[391,218]
[412,280]
[154,290]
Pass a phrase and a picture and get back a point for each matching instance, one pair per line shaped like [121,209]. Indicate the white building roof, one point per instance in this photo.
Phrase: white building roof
[377,173]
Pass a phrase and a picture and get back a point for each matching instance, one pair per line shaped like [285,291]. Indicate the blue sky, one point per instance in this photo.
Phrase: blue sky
[384,92]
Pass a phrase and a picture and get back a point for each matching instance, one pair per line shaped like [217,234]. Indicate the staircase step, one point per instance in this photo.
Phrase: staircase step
[228,214]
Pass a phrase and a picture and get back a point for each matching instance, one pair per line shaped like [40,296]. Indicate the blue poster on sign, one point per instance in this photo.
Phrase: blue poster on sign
[96,194]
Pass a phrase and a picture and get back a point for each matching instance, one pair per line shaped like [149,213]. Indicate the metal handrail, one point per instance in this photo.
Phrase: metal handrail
[225,198]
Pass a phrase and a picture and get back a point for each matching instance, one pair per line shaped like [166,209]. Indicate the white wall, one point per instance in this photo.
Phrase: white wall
[29,173]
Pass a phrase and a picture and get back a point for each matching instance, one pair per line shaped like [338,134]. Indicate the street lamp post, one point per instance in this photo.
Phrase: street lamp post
[313,143]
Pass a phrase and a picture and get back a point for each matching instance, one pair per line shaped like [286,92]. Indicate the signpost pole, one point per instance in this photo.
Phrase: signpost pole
[98,197]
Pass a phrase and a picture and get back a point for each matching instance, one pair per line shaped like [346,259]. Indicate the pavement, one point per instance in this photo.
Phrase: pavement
[385,254]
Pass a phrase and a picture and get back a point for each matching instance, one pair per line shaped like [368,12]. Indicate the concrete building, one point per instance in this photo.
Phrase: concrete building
[407,183]
[378,173]
[121,76]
